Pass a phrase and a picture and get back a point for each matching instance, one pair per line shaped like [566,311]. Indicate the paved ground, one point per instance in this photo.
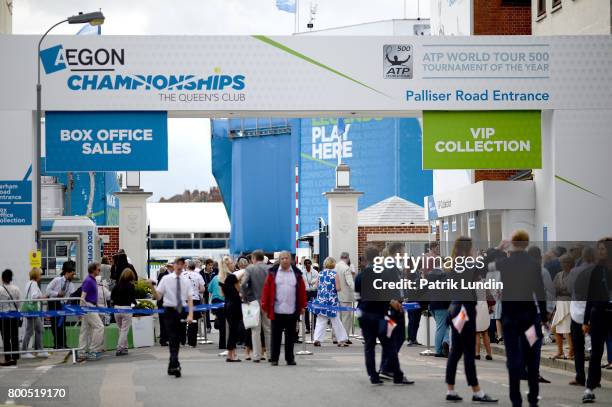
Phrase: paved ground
[330,377]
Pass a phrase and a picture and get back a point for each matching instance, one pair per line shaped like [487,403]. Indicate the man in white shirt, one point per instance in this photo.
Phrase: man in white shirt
[177,295]
[197,288]
[311,279]
[283,300]
[60,287]
[346,295]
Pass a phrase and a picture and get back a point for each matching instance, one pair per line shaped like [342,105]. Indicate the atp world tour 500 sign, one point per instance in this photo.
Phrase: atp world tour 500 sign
[302,74]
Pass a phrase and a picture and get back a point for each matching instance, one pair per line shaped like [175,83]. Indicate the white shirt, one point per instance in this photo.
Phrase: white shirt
[58,284]
[197,283]
[311,279]
[5,290]
[285,292]
[167,288]
[239,274]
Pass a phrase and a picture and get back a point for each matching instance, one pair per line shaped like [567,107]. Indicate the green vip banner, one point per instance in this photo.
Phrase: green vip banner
[482,140]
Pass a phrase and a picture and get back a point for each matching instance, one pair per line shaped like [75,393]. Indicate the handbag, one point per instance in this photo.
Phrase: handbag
[250,314]
[30,306]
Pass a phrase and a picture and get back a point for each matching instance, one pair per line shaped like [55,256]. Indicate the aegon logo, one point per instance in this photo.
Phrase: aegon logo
[57,58]
[94,71]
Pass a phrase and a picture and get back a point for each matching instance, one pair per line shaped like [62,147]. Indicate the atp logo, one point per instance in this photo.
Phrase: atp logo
[53,59]
[397,61]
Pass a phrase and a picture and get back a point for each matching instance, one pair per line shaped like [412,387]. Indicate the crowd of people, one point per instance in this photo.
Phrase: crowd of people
[254,303]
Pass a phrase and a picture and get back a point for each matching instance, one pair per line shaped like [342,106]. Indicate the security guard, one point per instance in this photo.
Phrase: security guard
[177,294]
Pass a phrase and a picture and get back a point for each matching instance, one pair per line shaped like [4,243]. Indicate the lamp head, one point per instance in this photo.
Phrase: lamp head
[94,18]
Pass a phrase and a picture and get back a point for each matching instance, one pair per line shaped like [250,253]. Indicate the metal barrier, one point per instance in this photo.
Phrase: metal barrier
[21,321]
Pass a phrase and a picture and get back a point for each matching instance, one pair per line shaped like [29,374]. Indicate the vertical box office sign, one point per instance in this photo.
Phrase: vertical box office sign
[482,140]
[106,141]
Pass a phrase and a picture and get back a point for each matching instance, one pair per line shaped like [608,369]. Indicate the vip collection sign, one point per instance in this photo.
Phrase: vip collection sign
[482,140]
[106,141]
[306,75]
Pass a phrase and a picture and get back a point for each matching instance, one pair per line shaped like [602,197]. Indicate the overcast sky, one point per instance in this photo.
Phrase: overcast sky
[189,139]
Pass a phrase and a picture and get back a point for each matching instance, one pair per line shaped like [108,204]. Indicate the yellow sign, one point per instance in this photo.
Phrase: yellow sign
[35,258]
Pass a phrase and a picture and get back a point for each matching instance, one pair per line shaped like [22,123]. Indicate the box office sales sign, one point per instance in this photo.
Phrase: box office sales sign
[482,140]
[106,141]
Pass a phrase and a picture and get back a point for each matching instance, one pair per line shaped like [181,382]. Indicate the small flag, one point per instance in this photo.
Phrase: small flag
[460,320]
[89,29]
[531,335]
[286,5]
[391,324]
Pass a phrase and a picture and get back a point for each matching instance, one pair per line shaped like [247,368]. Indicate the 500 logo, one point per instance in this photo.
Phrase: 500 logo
[94,69]
[397,61]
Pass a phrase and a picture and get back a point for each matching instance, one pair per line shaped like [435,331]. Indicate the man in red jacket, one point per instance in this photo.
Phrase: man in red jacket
[283,300]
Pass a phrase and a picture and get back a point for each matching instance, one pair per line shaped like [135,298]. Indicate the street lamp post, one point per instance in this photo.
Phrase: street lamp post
[95,18]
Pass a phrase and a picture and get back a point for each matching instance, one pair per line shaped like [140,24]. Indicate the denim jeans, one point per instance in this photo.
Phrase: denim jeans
[440,316]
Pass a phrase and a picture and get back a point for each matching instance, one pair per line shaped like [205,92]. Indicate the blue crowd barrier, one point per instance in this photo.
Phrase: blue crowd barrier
[76,310]
[314,306]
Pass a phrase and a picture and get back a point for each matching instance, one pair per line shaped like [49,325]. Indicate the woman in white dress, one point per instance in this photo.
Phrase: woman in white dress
[562,320]
[483,320]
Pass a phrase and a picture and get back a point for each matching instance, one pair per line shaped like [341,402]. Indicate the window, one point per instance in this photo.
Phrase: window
[55,252]
[556,5]
[541,7]
[162,244]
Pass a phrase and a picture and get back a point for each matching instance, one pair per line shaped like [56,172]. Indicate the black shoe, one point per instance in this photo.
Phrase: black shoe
[291,363]
[163,343]
[174,371]
[484,399]
[375,381]
[403,382]
[445,349]
[9,363]
[477,357]
[588,398]
[454,398]
[385,375]
[348,342]
[273,363]
[489,357]
[543,380]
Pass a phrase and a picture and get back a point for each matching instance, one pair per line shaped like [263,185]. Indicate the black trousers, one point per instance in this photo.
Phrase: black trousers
[463,344]
[174,328]
[220,322]
[310,295]
[578,341]
[520,355]
[206,313]
[9,328]
[374,326]
[192,329]
[600,328]
[163,335]
[414,320]
[58,326]
[397,340]
[283,323]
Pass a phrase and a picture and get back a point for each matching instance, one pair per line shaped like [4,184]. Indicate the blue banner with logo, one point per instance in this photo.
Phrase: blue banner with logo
[106,141]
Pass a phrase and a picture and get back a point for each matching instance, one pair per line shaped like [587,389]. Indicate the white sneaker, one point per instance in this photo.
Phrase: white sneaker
[42,355]
[224,353]
[27,356]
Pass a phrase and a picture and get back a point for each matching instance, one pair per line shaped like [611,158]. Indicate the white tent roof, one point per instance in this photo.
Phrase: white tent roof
[188,217]
[393,211]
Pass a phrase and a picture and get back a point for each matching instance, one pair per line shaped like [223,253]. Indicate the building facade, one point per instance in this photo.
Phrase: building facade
[6,17]
[571,17]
